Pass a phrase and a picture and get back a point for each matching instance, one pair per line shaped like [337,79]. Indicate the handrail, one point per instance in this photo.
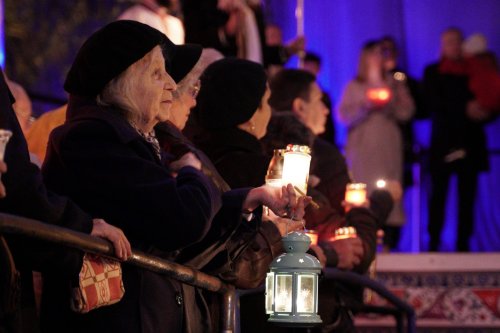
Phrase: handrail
[13,224]
[358,279]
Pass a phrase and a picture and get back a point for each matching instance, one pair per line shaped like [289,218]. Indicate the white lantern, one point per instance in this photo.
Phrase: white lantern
[292,284]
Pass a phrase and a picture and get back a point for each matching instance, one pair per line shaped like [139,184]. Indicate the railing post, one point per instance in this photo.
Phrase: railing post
[228,310]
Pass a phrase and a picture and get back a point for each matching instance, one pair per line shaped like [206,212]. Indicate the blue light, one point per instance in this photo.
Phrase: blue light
[2,36]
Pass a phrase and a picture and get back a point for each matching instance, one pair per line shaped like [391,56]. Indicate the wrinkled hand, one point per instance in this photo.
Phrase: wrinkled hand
[114,235]
[350,252]
[3,169]
[188,159]
[282,201]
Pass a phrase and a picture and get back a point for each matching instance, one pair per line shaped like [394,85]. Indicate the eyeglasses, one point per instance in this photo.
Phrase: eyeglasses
[195,89]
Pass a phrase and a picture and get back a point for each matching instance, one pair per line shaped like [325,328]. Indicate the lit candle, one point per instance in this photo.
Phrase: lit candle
[296,166]
[381,183]
[378,95]
[355,194]
[344,233]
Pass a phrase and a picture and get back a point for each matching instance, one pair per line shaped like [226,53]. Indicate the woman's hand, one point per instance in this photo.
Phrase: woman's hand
[114,235]
[188,159]
[282,201]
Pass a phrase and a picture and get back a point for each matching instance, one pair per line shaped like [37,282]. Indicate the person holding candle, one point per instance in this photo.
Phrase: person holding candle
[372,107]
[108,148]
[298,117]
[250,247]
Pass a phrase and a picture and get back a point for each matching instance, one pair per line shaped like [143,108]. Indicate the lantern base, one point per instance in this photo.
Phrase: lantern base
[295,321]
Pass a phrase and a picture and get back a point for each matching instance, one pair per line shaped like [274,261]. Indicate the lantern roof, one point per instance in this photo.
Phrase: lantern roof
[296,244]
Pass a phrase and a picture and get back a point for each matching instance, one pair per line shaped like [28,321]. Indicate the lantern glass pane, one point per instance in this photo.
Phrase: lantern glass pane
[269,292]
[283,300]
[296,169]
[305,293]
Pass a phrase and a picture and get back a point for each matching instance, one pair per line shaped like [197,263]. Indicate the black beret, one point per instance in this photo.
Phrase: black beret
[112,49]
[231,91]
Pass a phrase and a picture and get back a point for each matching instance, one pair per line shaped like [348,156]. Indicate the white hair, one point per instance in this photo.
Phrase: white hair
[119,90]
[207,57]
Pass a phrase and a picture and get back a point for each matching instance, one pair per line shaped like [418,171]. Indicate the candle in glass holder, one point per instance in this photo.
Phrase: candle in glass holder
[378,95]
[355,194]
[313,235]
[275,169]
[297,161]
[344,233]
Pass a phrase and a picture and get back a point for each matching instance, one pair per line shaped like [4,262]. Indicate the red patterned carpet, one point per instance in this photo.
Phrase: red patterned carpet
[449,292]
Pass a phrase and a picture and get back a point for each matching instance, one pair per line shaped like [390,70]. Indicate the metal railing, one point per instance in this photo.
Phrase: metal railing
[11,224]
[399,310]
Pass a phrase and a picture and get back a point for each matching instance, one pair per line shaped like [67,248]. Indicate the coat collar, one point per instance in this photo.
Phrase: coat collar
[235,139]
[86,109]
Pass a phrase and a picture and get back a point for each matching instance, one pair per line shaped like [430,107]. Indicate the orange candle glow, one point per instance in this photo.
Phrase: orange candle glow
[344,233]
[313,235]
[355,194]
[378,95]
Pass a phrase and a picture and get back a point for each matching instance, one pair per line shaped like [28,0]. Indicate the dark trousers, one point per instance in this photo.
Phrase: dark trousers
[467,188]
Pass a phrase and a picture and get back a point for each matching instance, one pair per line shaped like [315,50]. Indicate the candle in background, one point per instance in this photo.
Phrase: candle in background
[296,166]
[355,194]
[381,183]
[344,233]
[313,235]
[378,95]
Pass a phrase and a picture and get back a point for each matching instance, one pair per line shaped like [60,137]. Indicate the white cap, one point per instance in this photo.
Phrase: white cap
[475,44]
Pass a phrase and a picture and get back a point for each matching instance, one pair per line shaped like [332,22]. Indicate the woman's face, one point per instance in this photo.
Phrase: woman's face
[374,58]
[183,103]
[263,115]
[152,94]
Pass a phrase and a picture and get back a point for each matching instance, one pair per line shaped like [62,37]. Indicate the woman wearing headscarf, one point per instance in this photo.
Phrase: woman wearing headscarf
[108,159]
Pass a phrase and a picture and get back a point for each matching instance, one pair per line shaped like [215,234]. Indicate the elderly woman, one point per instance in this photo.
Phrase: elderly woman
[108,159]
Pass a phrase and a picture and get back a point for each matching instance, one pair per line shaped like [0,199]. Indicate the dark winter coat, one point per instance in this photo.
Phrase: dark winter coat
[103,164]
[28,197]
[446,97]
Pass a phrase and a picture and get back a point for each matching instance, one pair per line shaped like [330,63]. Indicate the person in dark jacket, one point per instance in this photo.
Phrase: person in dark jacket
[108,149]
[299,116]
[458,141]
[26,195]
[240,256]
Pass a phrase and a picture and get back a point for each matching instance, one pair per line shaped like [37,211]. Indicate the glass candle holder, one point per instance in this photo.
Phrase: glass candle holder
[355,194]
[297,160]
[378,95]
[344,233]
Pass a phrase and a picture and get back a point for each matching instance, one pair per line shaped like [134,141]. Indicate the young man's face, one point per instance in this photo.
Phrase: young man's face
[314,111]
